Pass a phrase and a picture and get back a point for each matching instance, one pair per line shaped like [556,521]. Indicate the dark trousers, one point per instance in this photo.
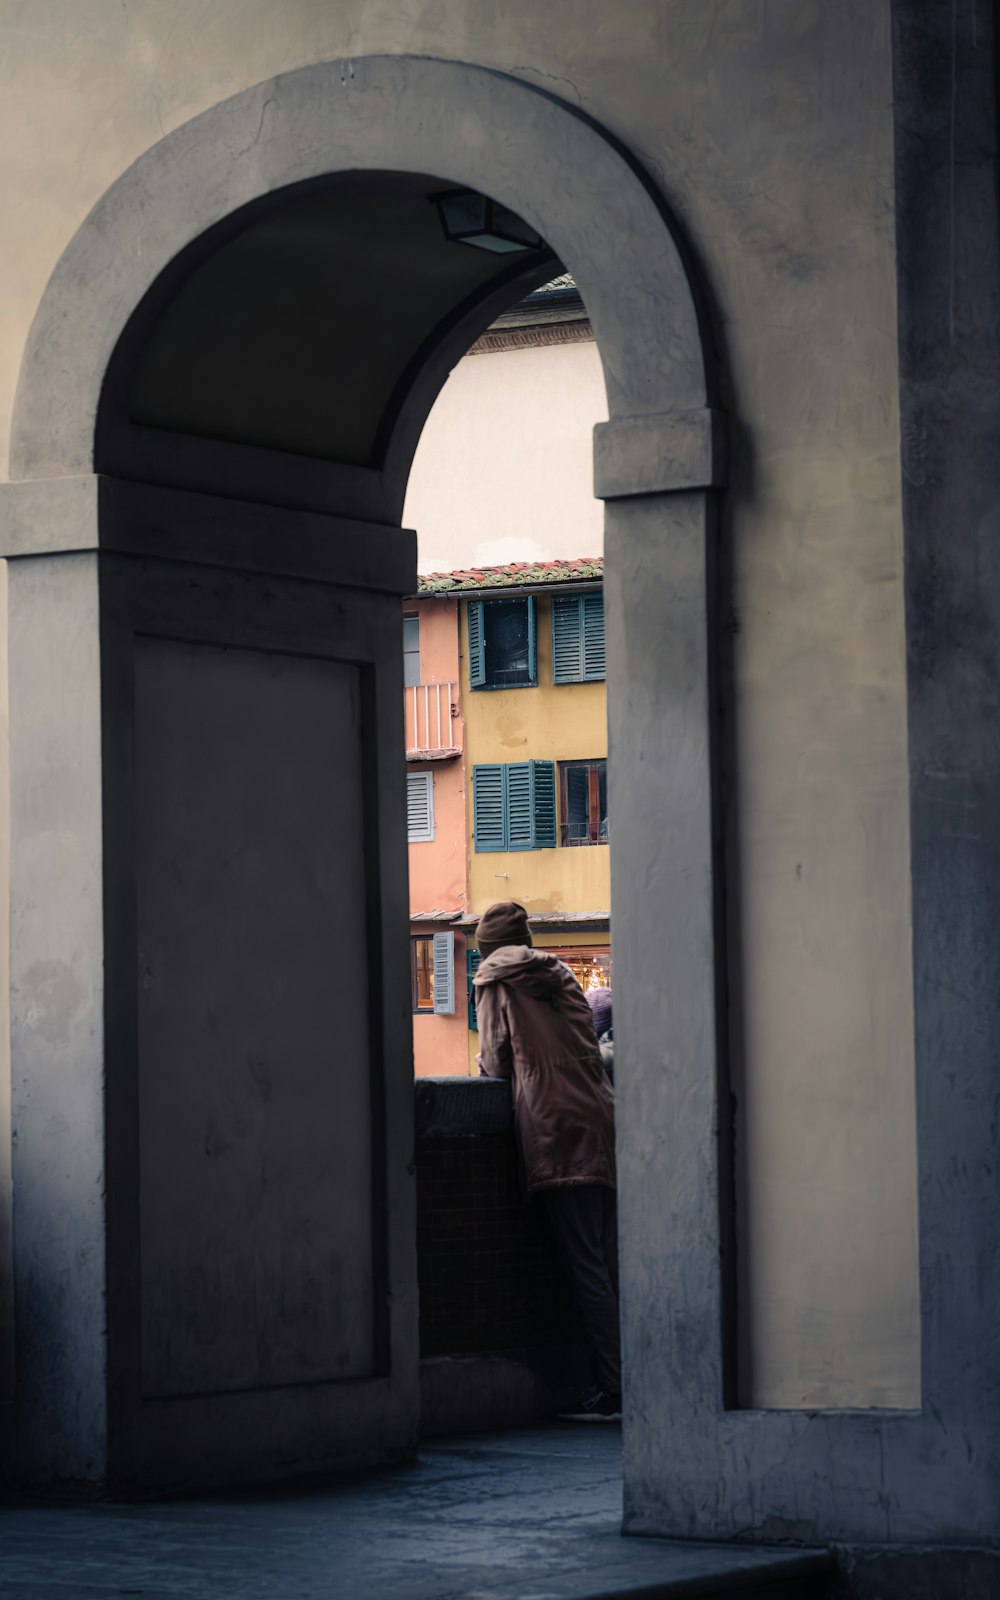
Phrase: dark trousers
[584,1221]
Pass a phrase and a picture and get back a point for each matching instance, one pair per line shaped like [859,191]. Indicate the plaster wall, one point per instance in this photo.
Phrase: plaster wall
[567,722]
[438,637]
[769,130]
[57,1017]
[440,1043]
[504,470]
[438,866]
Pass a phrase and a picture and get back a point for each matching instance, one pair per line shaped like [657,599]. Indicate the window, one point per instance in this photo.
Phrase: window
[419,807]
[502,652]
[422,954]
[578,639]
[591,967]
[584,799]
[514,806]
[432,963]
[411,651]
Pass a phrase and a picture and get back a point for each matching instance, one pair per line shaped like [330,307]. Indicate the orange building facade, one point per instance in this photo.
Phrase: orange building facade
[438,857]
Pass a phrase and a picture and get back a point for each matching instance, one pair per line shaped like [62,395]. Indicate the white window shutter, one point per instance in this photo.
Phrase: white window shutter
[444,974]
[419,807]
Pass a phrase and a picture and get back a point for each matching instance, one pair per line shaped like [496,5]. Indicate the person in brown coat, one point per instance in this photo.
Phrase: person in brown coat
[535,1028]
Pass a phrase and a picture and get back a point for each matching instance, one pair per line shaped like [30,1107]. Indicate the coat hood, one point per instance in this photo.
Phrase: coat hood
[534,972]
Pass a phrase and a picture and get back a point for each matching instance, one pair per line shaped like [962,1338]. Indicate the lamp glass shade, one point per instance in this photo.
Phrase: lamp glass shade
[471,218]
[463,213]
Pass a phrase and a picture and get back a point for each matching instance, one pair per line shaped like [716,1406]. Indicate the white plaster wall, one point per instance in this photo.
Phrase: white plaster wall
[504,468]
[769,128]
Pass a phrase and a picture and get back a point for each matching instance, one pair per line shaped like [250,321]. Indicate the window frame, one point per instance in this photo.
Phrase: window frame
[411,616]
[479,665]
[415,940]
[594,766]
[440,958]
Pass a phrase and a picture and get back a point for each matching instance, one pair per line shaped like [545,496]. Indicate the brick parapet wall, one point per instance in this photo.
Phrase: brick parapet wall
[489,1278]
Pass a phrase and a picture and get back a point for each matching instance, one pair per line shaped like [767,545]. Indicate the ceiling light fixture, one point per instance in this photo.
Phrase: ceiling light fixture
[471,218]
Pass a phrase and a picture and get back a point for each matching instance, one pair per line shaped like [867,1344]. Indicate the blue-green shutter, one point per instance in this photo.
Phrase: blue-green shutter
[592,608]
[576,822]
[472,960]
[520,820]
[489,807]
[477,645]
[532,642]
[578,639]
[567,646]
[531,805]
[543,796]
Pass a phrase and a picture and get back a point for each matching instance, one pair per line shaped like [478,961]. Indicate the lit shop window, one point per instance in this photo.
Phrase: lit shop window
[590,968]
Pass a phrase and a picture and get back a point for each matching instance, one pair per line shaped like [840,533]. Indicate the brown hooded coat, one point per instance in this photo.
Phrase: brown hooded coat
[535,1028]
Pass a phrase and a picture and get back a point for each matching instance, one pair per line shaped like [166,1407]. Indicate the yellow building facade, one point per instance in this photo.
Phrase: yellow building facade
[555,724]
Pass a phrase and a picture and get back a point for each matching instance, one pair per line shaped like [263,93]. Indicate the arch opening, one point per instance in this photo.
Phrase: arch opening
[250,462]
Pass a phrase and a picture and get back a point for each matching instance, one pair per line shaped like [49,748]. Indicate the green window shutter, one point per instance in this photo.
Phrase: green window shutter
[577,818]
[578,639]
[543,797]
[444,974]
[532,642]
[520,809]
[531,805]
[592,617]
[477,645]
[489,808]
[567,639]
[472,960]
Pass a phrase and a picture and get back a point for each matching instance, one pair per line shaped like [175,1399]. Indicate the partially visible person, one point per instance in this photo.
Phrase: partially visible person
[599,1001]
[536,1028]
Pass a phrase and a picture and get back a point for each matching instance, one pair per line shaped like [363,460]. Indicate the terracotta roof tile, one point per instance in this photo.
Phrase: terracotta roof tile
[516,574]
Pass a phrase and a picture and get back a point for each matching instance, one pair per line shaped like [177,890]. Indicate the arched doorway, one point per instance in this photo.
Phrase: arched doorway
[219,568]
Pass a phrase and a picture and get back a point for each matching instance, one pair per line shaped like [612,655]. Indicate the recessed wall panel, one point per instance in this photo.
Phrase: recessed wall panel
[253,1033]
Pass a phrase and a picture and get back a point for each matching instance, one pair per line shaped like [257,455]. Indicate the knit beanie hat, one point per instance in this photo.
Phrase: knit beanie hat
[504,923]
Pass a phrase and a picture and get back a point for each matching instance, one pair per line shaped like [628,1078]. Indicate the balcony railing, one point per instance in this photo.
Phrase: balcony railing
[433,725]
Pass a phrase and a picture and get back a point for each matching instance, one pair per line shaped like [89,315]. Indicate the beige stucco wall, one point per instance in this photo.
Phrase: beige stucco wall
[768,126]
[6,1151]
[504,468]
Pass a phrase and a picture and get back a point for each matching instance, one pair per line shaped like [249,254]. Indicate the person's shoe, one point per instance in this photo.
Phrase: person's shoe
[597,1407]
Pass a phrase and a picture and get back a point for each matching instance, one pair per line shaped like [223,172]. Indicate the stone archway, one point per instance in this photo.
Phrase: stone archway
[85,676]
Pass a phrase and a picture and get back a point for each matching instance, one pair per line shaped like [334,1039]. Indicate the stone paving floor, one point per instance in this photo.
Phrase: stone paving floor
[516,1516]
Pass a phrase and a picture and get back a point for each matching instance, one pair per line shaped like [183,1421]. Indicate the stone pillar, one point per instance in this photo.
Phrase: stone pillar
[213,1231]
[656,474]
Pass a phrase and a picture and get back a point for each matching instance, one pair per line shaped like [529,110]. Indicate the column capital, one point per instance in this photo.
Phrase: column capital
[665,452]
